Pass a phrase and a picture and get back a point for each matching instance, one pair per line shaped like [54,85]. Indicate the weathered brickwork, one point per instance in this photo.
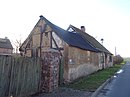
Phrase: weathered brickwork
[50,70]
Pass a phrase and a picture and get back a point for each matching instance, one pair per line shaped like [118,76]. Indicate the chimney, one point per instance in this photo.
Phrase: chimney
[41,16]
[83,28]
[6,37]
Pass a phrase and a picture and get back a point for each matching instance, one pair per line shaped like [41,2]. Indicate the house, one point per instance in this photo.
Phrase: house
[6,47]
[80,57]
[105,56]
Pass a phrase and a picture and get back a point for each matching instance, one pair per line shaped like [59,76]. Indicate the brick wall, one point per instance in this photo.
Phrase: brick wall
[50,70]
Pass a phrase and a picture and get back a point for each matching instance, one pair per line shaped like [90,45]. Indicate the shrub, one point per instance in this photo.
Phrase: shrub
[117,59]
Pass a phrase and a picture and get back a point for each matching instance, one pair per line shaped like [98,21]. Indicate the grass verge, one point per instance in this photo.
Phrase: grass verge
[93,81]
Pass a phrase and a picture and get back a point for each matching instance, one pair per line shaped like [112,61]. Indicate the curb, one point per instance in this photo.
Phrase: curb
[101,87]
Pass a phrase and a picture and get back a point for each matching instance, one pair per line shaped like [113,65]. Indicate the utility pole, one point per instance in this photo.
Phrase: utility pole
[115,51]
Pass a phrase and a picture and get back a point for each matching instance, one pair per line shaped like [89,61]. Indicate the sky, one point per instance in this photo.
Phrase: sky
[107,19]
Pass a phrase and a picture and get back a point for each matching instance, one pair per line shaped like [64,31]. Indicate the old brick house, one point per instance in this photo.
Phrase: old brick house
[79,56]
[6,47]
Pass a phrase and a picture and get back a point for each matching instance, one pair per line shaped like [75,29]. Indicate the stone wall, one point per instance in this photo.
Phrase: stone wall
[80,71]
[50,70]
[79,63]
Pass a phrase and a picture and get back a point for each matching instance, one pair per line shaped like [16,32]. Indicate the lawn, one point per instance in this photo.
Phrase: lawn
[93,81]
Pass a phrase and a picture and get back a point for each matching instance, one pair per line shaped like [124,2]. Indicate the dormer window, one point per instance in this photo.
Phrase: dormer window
[71,30]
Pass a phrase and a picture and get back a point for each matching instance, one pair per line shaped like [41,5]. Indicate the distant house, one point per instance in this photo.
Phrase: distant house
[80,57]
[105,56]
[6,47]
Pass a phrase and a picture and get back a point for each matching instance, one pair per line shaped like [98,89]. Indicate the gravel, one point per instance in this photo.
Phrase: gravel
[65,92]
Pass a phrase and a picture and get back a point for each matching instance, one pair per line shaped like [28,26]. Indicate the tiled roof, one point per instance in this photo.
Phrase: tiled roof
[5,43]
[91,40]
[72,39]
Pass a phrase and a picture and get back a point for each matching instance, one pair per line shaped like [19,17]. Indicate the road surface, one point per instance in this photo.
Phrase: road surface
[120,85]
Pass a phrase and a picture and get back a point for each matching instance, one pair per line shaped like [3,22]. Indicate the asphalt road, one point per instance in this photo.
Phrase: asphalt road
[120,85]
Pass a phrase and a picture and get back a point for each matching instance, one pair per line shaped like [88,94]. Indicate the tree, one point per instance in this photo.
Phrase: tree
[17,43]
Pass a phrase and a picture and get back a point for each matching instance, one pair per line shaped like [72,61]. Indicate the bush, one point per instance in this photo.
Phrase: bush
[117,59]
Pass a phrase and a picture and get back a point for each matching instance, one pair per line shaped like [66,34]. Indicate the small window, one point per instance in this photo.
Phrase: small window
[70,29]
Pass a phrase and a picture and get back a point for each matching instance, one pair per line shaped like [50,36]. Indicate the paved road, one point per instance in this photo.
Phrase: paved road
[120,85]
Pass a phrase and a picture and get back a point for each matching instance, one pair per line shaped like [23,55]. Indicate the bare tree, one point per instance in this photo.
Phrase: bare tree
[17,43]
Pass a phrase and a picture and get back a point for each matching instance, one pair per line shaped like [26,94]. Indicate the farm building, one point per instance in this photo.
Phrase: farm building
[78,56]
[105,56]
[6,47]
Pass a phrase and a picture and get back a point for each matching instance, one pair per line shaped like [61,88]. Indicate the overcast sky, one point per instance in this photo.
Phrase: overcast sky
[107,19]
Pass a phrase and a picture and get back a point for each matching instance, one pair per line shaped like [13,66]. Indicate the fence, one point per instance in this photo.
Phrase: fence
[19,76]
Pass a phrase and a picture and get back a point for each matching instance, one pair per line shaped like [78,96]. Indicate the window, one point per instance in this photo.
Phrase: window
[70,29]
[110,58]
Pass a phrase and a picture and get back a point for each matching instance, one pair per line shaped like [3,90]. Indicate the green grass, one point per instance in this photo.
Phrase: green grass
[93,81]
